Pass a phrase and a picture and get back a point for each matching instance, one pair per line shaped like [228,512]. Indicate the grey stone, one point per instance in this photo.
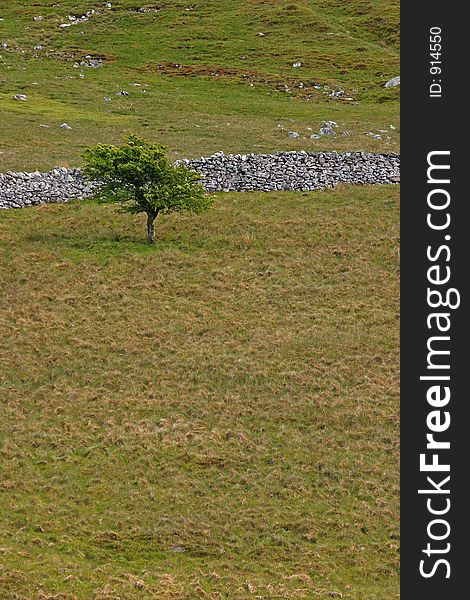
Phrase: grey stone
[393,82]
[328,128]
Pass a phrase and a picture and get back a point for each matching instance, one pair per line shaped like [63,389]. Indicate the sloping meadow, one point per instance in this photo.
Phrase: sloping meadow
[197,76]
[215,416]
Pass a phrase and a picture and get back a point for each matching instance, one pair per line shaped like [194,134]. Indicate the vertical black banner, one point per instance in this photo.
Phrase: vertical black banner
[434,403]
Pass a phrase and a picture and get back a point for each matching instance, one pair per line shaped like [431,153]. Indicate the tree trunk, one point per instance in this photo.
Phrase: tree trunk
[150,228]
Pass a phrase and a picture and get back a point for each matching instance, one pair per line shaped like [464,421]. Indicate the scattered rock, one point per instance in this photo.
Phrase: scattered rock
[148,9]
[90,62]
[328,128]
[21,97]
[122,93]
[297,64]
[293,134]
[393,82]
[315,136]
[336,94]
[65,126]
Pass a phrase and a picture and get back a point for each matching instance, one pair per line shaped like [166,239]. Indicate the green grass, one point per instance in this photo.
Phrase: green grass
[232,391]
[230,93]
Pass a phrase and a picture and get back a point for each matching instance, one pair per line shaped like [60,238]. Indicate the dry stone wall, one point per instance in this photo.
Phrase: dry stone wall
[232,172]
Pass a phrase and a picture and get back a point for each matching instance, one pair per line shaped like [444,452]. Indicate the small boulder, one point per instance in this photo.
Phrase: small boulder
[328,128]
[393,82]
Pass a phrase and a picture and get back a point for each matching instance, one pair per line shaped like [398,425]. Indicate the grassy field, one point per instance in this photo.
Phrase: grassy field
[211,81]
[213,417]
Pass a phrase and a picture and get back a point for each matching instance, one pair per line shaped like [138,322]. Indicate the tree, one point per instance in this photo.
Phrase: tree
[138,176]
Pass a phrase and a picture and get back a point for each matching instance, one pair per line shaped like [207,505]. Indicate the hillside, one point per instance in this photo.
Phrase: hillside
[212,76]
[215,416]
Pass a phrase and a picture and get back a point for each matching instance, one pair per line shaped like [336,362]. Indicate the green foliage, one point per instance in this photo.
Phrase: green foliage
[138,176]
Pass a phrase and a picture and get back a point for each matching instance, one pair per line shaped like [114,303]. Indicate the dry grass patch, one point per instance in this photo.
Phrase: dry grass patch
[214,417]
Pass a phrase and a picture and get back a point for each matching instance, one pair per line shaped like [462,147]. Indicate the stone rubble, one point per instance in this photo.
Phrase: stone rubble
[300,171]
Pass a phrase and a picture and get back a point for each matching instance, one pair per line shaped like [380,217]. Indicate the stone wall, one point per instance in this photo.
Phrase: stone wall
[232,172]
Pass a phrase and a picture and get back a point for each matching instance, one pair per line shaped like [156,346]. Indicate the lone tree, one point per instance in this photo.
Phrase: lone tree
[138,176]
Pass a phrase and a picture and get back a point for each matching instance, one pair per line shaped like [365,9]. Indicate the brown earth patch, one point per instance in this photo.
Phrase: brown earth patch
[148,8]
[202,70]
[80,55]
[303,88]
